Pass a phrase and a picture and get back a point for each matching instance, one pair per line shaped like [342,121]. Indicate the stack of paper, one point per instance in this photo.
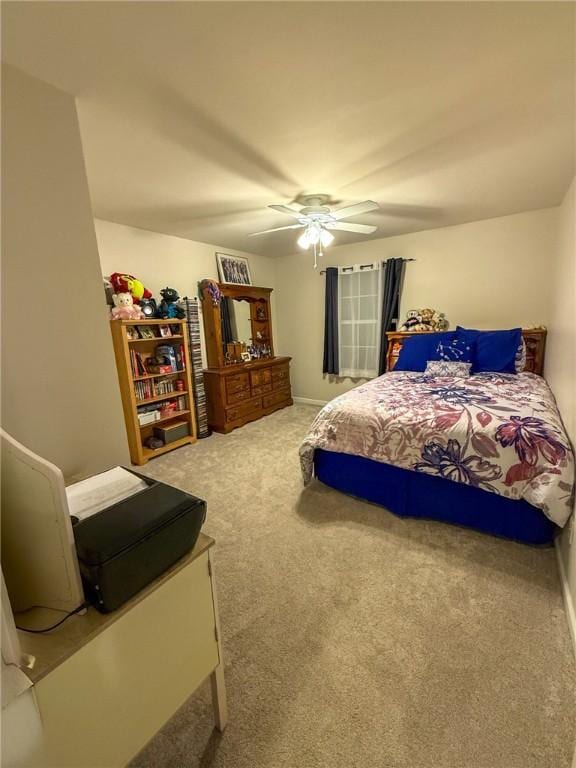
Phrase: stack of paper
[102,491]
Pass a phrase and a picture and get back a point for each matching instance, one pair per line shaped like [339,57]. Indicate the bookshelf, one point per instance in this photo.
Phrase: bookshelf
[153,397]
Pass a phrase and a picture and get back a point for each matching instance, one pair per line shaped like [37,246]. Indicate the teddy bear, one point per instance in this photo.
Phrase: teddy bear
[424,320]
[412,319]
[123,283]
[439,322]
[125,309]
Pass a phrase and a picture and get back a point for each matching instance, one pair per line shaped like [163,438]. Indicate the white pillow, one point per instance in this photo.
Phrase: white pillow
[520,359]
[448,368]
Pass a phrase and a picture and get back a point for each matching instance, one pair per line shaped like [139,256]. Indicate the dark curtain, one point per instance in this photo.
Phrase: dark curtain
[226,321]
[331,363]
[393,274]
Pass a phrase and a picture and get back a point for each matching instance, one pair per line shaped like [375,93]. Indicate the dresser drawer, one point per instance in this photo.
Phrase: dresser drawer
[276,397]
[260,377]
[280,376]
[243,409]
[237,397]
[237,383]
[261,390]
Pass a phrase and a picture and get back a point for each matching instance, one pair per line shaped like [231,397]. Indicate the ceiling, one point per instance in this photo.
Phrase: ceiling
[195,116]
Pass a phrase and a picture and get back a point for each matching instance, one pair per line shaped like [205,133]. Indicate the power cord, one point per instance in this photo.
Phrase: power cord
[58,623]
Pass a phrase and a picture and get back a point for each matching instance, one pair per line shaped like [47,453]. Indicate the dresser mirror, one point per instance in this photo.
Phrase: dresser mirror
[236,321]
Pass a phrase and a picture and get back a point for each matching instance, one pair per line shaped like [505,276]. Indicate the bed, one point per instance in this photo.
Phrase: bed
[488,451]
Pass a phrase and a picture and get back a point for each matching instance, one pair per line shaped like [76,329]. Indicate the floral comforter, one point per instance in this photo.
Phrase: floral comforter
[498,432]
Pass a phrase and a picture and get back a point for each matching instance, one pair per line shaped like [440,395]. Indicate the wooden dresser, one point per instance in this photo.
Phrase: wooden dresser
[239,392]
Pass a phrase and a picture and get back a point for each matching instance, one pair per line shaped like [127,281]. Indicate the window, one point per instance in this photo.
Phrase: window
[359,320]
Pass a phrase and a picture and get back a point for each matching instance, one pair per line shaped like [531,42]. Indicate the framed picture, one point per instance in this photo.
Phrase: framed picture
[146,332]
[246,358]
[233,269]
[165,330]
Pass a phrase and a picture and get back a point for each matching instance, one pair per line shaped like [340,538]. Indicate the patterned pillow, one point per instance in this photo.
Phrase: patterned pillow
[448,368]
[520,359]
[459,350]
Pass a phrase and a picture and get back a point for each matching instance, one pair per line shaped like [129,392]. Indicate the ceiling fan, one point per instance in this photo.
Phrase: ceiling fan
[317,219]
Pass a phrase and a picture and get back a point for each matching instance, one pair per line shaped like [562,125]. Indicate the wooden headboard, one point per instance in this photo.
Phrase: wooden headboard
[535,339]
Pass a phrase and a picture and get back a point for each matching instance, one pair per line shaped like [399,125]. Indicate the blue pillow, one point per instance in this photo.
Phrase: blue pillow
[417,350]
[456,350]
[495,350]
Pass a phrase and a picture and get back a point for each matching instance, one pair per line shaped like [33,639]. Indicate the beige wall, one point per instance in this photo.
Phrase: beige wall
[493,273]
[159,260]
[59,388]
[561,351]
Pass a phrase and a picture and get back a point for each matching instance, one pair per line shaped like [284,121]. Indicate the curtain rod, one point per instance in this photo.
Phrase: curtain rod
[323,271]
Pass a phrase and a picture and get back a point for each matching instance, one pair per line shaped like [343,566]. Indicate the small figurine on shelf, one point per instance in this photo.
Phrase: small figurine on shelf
[124,308]
[210,287]
[168,307]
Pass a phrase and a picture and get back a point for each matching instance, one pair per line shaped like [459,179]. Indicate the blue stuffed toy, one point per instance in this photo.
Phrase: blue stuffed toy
[168,308]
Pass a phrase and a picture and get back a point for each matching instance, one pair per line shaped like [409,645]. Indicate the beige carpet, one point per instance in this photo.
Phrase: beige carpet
[355,639]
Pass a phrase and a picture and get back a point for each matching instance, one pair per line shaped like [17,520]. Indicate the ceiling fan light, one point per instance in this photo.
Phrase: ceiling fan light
[314,234]
[326,238]
[304,239]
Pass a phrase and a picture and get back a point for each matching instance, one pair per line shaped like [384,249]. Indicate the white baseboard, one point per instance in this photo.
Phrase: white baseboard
[568,604]
[308,401]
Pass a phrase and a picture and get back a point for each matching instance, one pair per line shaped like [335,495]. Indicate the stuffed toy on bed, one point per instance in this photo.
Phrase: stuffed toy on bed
[424,320]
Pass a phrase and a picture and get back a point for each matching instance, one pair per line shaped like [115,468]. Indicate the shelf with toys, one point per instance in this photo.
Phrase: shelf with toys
[153,363]
[155,386]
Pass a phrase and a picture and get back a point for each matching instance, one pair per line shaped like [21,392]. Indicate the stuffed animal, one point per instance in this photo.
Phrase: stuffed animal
[412,319]
[439,322]
[122,283]
[168,308]
[424,320]
[125,309]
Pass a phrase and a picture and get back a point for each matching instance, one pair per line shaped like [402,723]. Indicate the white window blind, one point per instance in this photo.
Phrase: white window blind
[359,313]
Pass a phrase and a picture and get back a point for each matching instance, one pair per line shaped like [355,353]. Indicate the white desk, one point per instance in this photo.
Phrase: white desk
[105,684]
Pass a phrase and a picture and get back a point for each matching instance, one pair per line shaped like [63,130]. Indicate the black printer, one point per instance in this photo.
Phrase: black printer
[126,546]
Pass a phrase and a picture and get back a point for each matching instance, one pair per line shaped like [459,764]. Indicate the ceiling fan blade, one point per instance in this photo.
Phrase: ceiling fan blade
[277,229]
[354,210]
[285,209]
[347,226]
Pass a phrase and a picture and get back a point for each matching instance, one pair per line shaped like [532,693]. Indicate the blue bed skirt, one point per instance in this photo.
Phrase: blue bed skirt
[415,494]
